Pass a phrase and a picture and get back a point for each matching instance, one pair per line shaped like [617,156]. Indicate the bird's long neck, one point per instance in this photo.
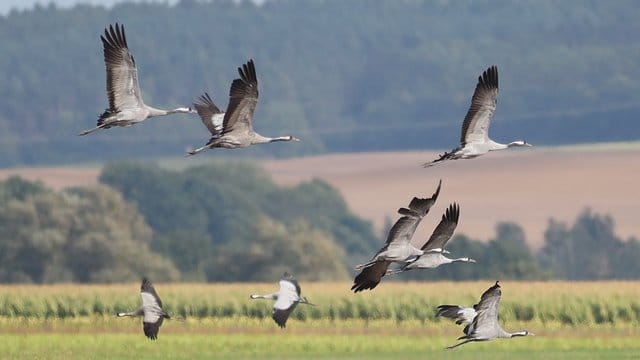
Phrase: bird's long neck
[303,300]
[161,112]
[273,296]
[136,312]
[497,146]
[259,139]
[519,333]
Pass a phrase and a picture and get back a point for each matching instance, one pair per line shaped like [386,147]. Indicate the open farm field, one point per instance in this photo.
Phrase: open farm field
[589,320]
[527,187]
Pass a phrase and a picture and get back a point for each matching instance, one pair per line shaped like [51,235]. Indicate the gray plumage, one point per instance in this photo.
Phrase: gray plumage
[474,138]
[287,298]
[237,125]
[439,238]
[151,310]
[398,243]
[126,106]
[485,325]
[212,117]
[461,315]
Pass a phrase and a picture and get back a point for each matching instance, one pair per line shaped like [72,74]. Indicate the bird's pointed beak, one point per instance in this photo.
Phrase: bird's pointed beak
[532,334]
[293,138]
[472,261]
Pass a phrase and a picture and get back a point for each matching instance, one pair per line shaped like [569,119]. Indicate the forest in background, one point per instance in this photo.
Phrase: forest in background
[228,221]
[341,75]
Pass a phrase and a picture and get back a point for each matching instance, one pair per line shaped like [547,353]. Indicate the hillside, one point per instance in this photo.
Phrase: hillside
[527,187]
[331,72]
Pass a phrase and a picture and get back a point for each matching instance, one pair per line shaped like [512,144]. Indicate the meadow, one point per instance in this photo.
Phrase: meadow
[586,320]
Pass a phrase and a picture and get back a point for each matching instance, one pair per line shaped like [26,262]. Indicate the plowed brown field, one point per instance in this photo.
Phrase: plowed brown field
[527,186]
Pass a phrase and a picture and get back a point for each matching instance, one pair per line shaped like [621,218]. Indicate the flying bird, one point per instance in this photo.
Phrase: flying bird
[287,298]
[474,139]
[126,106]
[237,124]
[439,238]
[151,310]
[398,245]
[481,321]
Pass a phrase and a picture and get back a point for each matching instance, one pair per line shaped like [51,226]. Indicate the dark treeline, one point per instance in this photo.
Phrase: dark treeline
[341,75]
[587,250]
[228,221]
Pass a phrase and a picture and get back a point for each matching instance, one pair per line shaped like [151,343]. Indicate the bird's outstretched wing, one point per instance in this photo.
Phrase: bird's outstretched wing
[152,308]
[123,89]
[485,324]
[151,329]
[209,113]
[458,313]
[445,229]
[288,297]
[402,231]
[149,295]
[243,98]
[483,104]
[370,276]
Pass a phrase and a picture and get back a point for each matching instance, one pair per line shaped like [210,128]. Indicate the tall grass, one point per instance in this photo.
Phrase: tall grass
[584,303]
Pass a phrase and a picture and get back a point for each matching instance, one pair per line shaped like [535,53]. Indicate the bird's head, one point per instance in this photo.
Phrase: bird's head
[293,138]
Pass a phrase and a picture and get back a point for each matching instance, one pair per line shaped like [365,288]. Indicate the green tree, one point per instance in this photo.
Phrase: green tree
[84,235]
[588,250]
[197,211]
[276,248]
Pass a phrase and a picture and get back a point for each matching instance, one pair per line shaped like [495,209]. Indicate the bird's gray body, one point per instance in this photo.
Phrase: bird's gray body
[402,231]
[236,130]
[485,325]
[474,137]
[151,310]
[434,247]
[126,107]
[287,298]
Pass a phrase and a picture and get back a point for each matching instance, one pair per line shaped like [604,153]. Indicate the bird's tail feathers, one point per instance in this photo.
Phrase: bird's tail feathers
[449,311]
[303,300]
[445,156]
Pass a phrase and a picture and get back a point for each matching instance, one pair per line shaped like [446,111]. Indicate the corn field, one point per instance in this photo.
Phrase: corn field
[565,303]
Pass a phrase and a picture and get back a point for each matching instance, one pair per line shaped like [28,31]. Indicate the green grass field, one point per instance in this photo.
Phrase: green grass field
[570,320]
